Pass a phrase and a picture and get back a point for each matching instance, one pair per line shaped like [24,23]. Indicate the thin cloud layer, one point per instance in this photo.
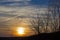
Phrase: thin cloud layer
[19,11]
[10,16]
[23,2]
[14,2]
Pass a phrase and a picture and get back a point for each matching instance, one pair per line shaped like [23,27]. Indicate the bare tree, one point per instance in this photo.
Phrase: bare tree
[53,10]
[38,22]
[50,23]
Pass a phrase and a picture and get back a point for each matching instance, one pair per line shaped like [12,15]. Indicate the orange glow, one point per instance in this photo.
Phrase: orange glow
[20,30]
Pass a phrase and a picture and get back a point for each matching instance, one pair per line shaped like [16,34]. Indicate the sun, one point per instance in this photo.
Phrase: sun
[20,30]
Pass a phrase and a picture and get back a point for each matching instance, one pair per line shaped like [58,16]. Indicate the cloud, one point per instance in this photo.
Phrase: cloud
[12,16]
[8,13]
[14,2]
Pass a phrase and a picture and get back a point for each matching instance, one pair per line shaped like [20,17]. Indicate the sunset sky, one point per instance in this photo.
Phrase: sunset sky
[14,13]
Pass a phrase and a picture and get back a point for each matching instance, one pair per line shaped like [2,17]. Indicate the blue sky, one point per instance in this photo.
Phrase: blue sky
[23,2]
[39,2]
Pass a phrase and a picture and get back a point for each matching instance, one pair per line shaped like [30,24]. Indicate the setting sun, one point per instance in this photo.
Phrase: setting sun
[21,30]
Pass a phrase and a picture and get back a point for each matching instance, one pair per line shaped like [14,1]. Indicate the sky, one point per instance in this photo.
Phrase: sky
[12,10]
[23,2]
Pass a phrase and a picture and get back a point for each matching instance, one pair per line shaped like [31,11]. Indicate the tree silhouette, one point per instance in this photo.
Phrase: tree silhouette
[39,23]
[49,22]
[54,11]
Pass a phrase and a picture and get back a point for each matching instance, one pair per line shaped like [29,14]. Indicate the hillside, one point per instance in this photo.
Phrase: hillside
[45,36]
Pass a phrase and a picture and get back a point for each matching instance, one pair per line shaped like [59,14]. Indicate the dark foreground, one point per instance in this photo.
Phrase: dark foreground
[49,36]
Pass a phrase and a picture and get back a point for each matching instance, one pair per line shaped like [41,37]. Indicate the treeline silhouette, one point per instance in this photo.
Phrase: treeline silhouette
[42,36]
